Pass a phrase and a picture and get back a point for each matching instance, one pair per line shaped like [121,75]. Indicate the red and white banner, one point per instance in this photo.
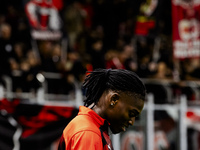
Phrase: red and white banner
[186,28]
[44,18]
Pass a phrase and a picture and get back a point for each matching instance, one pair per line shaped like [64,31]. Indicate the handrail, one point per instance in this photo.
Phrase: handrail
[181,107]
[75,100]
[43,95]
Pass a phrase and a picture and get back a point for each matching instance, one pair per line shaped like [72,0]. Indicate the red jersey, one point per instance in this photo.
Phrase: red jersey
[87,131]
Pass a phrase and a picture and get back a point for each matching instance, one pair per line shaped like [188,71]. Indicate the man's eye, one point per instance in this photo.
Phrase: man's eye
[133,115]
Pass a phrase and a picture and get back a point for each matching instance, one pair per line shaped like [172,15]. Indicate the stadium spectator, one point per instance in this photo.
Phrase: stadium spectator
[6,47]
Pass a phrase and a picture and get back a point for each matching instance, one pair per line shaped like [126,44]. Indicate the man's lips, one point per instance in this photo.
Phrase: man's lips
[124,127]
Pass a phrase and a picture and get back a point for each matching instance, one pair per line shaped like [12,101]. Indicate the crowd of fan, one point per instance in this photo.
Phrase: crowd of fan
[100,35]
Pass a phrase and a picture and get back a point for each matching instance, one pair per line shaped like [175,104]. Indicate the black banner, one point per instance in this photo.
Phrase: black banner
[32,126]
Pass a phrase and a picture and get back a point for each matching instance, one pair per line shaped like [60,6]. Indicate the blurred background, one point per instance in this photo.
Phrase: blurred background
[46,47]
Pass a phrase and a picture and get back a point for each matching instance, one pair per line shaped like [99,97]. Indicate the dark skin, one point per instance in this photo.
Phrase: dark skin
[119,109]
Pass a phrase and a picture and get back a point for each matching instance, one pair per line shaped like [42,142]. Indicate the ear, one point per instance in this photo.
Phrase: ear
[114,99]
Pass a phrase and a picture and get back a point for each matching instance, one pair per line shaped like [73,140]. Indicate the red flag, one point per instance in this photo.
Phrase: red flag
[186,28]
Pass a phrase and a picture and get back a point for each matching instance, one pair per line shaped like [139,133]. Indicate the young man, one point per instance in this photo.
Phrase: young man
[113,99]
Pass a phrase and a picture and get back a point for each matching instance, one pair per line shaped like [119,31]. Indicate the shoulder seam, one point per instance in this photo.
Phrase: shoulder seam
[86,131]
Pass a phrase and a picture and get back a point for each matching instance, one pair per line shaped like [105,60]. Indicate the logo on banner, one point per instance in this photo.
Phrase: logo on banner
[44,19]
[134,140]
[186,28]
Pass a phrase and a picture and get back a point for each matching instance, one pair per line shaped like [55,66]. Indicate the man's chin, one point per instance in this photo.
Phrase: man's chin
[115,131]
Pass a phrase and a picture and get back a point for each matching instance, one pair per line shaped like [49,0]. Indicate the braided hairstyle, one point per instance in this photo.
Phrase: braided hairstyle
[101,80]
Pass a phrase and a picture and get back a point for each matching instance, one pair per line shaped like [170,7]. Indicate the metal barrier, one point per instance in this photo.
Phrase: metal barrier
[41,95]
[181,108]
[150,107]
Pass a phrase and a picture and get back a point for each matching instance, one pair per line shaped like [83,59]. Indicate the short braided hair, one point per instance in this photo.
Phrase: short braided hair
[100,80]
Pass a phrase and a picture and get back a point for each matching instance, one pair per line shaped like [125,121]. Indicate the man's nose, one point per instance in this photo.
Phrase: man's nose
[131,121]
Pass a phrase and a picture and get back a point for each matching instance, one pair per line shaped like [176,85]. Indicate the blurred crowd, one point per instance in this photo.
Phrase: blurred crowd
[99,34]
[96,34]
